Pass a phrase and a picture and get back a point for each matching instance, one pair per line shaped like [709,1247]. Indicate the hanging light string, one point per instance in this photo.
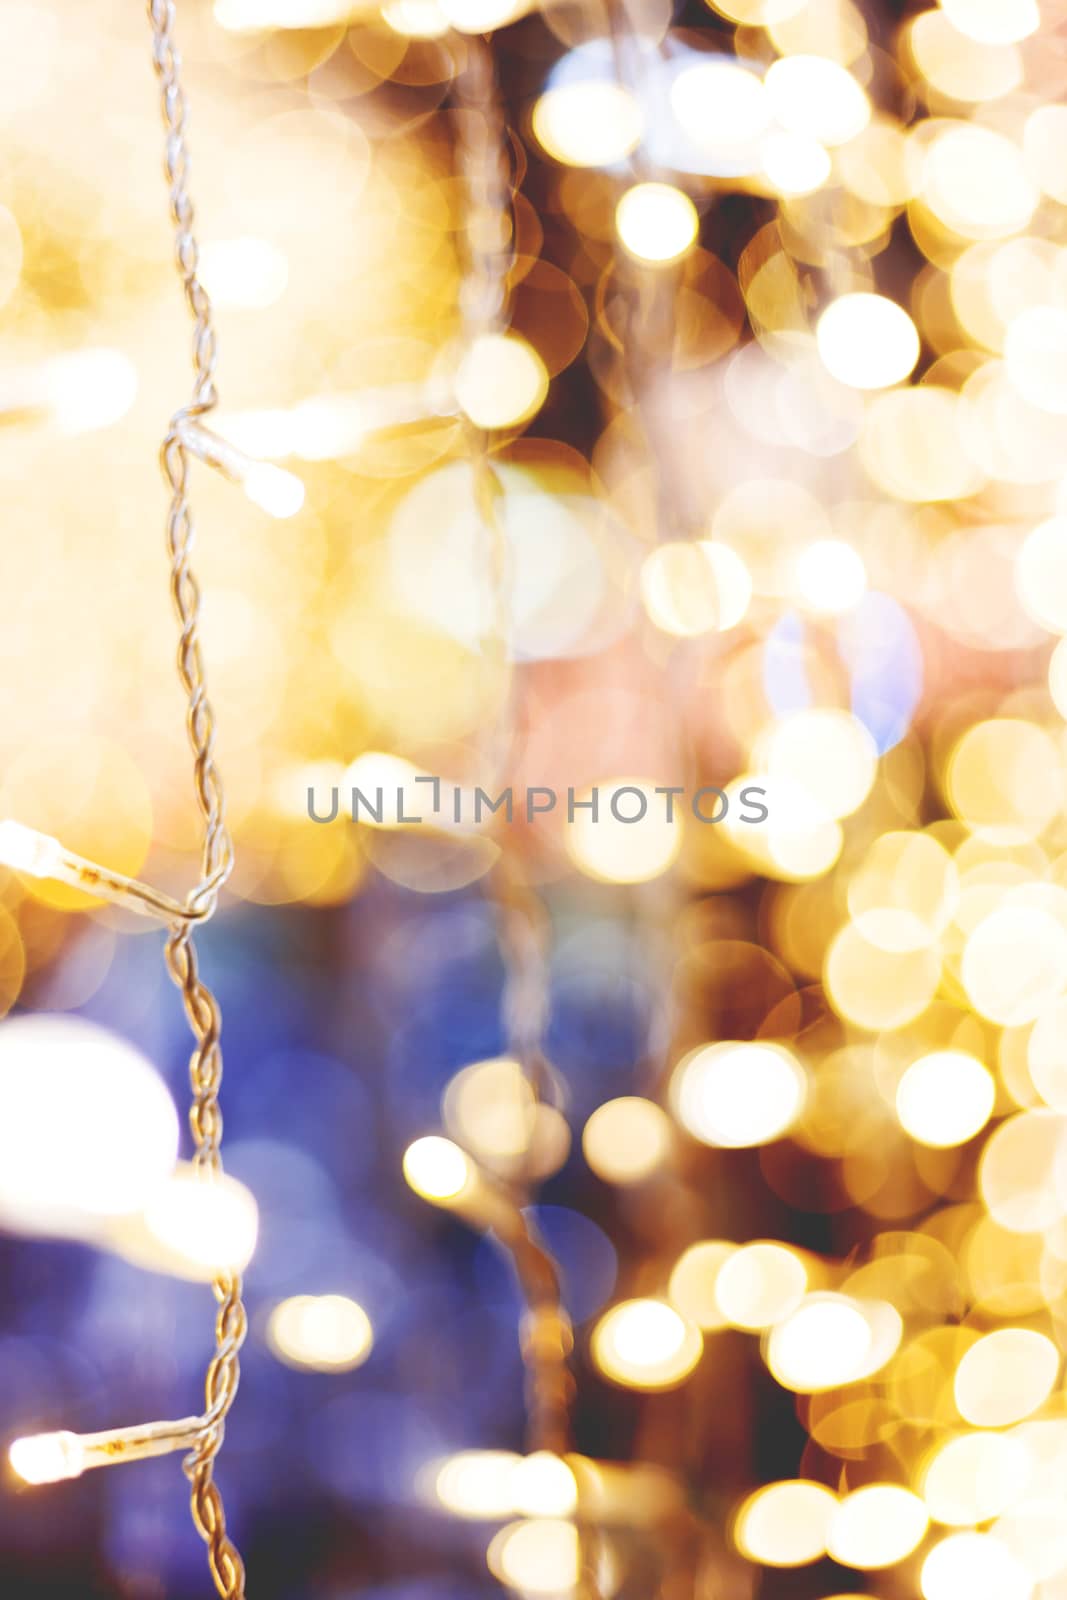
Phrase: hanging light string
[523,925]
[201,1007]
[546,1338]
[50,1457]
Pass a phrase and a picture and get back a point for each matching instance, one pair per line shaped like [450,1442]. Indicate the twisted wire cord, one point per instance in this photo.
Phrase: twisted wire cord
[546,1337]
[201,1007]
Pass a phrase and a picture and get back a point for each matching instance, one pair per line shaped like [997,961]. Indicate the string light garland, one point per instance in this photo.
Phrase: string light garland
[49,1457]
[795,512]
[436,1168]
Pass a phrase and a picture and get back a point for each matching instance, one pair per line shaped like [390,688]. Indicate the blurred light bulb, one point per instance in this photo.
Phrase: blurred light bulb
[277,492]
[624,833]
[993,21]
[243,272]
[830,577]
[737,1093]
[323,1333]
[693,588]
[795,164]
[195,1225]
[416,19]
[436,1168]
[626,1140]
[785,1524]
[646,1344]
[477,1483]
[539,1557]
[543,1485]
[720,104]
[876,1526]
[758,1284]
[978,1565]
[89,389]
[656,222]
[25,850]
[945,1098]
[47,1457]
[89,1128]
[501,381]
[813,96]
[867,341]
[591,124]
[822,1343]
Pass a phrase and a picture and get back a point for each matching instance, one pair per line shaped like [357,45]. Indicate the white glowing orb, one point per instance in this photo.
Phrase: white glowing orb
[89,1128]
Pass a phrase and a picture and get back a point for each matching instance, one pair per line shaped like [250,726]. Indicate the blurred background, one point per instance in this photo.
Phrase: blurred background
[616,394]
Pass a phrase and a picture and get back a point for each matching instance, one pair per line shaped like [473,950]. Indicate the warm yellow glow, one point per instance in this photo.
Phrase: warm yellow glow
[830,577]
[1041,574]
[993,21]
[481,16]
[243,272]
[974,1477]
[795,163]
[826,752]
[89,1128]
[867,341]
[656,222]
[903,894]
[1015,964]
[813,96]
[878,988]
[1005,780]
[539,1557]
[646,1344]
[826,1340]
[965,69]
[593,124]
[491,1107]
[323,1332]
[493,1484]
[194,1225]
[1046,1057]
[618,851]
[1035,349]
[945,1098]
[402,796]
[1006,1376]
[437,1169]
[478,1483]
[785,1524]
[1057,678]
[720,104]
[47,1457]
[757,13]
[1017,1175]
[89,389]
[277,492]
[692,1284]
[978,1565]
[689,589]
[542,1485]
[501,381]
[254,16]
[797,840]
[876,1526]
[1043,136]
[416,19]
[626,1140]
[913,447]
[736,1093]
[976,183]
[759,1284]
